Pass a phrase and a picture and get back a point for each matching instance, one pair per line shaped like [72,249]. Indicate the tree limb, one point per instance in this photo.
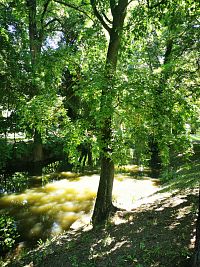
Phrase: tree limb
[97,14]
[168,50]
[156,5]
[112,6]
[51,21]
[74,7]
[3,5]
[44,12]
[106,18]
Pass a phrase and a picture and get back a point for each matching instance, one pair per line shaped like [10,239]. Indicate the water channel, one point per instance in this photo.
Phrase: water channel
[46,205]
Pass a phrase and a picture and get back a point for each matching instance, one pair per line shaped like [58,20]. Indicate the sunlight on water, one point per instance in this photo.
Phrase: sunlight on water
[44,211]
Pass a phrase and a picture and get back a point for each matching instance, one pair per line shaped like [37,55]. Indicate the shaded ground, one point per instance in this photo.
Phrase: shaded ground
[158,231]
[158,234]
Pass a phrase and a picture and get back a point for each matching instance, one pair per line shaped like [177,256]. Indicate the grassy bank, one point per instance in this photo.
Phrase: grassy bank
[158,231]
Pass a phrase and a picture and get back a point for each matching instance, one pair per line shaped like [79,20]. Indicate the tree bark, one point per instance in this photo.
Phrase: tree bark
[196,256]
[35,43]
[103,204]
[38,147]
[33,35]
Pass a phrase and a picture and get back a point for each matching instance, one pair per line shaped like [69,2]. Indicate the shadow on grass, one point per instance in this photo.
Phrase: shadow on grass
[159,234]
[186,177]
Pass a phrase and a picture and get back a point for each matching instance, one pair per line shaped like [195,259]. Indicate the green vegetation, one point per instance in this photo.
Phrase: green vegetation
[8,233]
[100,84]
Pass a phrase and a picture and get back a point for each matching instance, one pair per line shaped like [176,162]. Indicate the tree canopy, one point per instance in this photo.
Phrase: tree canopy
[114,77]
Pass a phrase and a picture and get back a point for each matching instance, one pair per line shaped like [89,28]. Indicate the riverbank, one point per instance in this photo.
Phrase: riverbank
[158,231]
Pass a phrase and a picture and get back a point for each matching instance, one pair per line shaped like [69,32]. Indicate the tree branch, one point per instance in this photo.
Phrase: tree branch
[97,14]
[106,18]
[44,12]
[3,5]
[73,7]
[122,6]
[156,5]
[51,21]
[112,6]
[168,51]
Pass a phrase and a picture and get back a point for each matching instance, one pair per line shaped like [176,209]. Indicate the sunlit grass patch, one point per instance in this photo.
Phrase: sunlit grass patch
[130,169]
[187,176]
[126,168]
[195,137]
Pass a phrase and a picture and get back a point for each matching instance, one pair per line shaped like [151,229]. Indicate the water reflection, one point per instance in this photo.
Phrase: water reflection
[56,201]
[46,210]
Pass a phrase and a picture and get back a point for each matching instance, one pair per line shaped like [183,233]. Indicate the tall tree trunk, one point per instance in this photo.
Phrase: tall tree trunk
[35,43]
[103,204]
[196,256]
[158,107]
[38,147]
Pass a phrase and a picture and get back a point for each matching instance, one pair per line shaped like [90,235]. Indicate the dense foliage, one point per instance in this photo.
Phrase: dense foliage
[114,81]
[8,232]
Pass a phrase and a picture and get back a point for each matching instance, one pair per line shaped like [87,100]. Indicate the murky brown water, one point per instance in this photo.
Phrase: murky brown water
[44,211]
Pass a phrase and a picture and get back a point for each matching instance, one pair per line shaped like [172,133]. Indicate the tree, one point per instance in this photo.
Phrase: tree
[12,73]
[36,38]
[111,15]
[43,98]
[163,40]
[114,27]
[171,113]
[103,204]
[143,92]
[176,82]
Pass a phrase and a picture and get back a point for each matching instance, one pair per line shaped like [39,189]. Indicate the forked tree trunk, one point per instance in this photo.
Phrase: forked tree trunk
[103,204]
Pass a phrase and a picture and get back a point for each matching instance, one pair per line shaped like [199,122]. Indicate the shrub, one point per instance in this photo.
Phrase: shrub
[5,152]
[8,232]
